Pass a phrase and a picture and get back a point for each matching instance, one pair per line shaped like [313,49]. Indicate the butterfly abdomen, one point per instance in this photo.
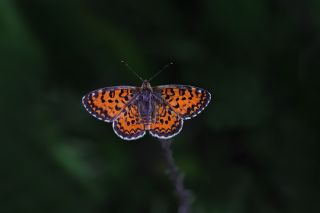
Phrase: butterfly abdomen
[146,107]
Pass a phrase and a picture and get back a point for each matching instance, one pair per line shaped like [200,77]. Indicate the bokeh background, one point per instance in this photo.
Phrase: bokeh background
[254,149]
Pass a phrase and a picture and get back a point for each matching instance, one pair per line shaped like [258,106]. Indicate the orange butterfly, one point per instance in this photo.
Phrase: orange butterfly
[160,110]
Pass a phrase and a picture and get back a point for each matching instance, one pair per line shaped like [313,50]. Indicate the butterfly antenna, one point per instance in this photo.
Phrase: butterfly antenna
[127,65]
[163,68]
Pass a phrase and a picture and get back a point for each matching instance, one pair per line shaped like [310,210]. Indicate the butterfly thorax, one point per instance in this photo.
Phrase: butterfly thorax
[146,103]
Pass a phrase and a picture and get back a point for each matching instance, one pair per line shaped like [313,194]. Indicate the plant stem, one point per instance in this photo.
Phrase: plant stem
[177,178]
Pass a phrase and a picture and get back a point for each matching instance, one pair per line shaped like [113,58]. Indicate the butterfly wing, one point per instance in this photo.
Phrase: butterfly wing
[167,123]
[186,101]
[128,125]
[106,103]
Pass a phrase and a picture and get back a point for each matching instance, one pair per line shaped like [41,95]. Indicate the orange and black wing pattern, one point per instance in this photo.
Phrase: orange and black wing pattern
[106,103]
[186,101]
[166,124]
[128,124]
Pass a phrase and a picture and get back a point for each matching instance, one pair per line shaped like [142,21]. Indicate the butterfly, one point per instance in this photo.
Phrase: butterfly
[133,111]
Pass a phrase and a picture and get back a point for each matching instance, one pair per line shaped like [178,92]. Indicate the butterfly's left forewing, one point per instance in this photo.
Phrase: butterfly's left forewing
[186,101]
[107,103]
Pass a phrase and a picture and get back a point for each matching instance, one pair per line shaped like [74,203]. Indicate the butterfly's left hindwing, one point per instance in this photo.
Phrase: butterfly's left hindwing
[166,124]
[106,103]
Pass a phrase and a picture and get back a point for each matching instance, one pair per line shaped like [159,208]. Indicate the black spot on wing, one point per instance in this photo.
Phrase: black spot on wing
[176,106]
[112,93]
[182,92]
[121,92]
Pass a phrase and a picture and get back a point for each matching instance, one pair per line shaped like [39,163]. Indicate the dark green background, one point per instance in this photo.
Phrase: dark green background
[253,150]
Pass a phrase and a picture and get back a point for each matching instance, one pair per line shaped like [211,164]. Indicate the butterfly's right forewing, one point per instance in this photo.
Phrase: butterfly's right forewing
[107,103]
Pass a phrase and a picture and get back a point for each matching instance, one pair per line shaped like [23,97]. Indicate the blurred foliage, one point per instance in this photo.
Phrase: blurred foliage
[254,149]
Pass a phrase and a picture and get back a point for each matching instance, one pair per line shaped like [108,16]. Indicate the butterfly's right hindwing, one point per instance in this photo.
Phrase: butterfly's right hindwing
[128,124]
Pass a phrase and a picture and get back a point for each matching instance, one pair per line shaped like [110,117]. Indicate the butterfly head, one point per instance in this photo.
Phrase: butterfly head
[146,85]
